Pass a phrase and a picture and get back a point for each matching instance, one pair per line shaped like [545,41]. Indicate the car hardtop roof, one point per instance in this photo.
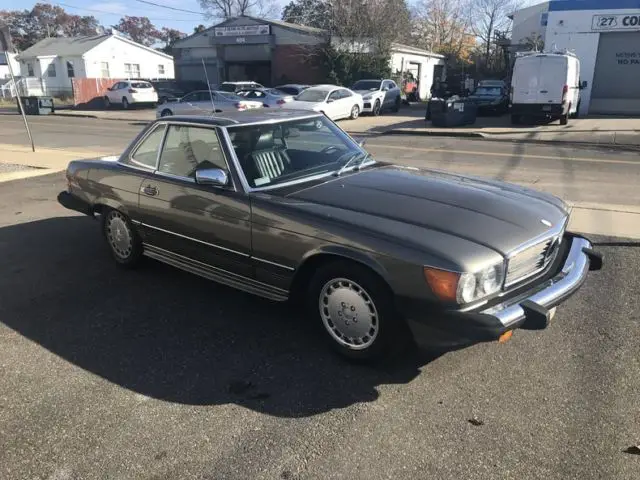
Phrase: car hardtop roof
[325,87]
[238,119]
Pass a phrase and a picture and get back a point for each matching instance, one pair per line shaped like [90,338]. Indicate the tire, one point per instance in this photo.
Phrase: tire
[516,120]
[107,103]
[355,112]
[125,103]
[564,119]
[396,105]
[123,241]
[166,113]
[346,292]
[377,108]
[577,114]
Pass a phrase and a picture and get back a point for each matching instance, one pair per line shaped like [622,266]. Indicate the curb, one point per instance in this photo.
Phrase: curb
[88,115]
[494,138]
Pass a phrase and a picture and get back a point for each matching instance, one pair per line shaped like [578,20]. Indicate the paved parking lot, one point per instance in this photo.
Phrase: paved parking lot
[157,374]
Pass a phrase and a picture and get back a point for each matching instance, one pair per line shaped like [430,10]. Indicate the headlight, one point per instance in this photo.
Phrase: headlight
[463,288]
[367,97]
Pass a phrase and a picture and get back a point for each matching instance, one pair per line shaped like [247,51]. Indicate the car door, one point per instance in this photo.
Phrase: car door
[332,105]
[114,94]
[203,223]
[390,93]
[346,102]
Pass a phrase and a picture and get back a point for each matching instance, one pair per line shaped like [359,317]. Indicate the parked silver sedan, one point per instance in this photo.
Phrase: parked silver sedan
[270,97]
[204,102]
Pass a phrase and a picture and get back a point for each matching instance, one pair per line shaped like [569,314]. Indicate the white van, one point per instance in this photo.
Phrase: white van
[545,85]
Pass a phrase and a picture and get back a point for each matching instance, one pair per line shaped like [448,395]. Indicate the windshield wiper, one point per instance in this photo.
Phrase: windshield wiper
[363,156]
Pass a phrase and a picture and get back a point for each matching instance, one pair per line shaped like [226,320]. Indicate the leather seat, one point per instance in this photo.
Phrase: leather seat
[270,159]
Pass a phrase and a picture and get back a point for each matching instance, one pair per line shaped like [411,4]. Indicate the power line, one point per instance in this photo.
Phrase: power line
[104,12]
[169,8]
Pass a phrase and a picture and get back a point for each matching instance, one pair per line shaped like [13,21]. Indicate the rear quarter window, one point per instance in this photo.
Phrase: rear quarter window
[141,85]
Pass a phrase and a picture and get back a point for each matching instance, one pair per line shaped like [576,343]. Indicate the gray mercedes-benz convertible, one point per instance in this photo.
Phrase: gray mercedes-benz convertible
[284,204]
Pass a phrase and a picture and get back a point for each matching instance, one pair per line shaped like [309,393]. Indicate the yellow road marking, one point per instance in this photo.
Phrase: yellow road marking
[506,155]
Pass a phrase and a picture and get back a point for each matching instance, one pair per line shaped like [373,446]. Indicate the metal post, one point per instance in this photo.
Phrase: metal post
[206,76]
[21,107]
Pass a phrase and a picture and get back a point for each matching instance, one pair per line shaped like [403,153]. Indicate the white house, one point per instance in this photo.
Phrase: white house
[605,35]
[4,67]
[57,60]
[424,65]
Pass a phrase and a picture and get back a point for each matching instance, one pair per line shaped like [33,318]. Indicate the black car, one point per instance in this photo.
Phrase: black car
[491,99]
[168,90]
[285,205]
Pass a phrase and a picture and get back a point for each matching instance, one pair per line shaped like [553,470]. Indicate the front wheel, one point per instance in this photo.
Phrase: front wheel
[122,239]
[377,107]
[125,103]
[564,119]
[166,113]
[355,112]
[354,309]
[107,102]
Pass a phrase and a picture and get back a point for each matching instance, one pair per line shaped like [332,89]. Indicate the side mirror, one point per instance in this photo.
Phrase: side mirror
[329,100]
[385,89]
[583,85]
[212,176]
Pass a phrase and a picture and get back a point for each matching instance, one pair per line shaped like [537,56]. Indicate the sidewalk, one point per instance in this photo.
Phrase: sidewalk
[42,162]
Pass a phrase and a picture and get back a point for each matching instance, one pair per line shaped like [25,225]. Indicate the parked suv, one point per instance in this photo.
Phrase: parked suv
[130,92]
[378,95]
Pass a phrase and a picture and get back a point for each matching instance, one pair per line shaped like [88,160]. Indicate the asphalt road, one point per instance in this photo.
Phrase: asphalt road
[156,374]
[604,176]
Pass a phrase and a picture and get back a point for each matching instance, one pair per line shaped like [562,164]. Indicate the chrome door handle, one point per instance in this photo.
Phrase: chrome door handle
[150,190]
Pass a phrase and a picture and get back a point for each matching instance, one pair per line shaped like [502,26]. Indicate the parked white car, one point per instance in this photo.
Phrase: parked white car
[130,92]
[199,103]
[378,95]
[335,102]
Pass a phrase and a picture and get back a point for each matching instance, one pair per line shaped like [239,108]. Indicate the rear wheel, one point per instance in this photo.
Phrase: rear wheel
[354,308]
[564,119]
[166,113]
[355,112]
[122,239]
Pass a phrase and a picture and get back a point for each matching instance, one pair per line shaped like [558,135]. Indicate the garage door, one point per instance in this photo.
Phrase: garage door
[616,84]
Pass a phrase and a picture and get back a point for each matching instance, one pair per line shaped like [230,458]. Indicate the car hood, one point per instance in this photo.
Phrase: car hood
[367,92]
[496,215]
[484,98]
[297,104]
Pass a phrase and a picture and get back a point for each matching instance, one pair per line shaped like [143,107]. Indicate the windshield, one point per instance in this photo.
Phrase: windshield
[293,151]
[488,91]
[276,92]
[367,85]
[312,96]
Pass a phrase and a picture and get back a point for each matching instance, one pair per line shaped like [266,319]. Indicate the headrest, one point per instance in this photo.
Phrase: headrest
[265,141]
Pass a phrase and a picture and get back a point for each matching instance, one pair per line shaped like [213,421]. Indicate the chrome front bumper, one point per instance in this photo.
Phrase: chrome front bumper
[532,308]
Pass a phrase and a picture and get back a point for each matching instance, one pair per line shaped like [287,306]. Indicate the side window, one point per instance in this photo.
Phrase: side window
[188,149]
[335,95]
[146,154]
[387,84]
[345,93]
[392,84]
[190,97]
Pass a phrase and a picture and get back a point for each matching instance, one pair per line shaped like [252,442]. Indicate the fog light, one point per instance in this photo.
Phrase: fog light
[505,336]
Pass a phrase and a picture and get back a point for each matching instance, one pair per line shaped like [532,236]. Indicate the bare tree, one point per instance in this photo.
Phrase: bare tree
[443,26]
[489,16]
[223,9]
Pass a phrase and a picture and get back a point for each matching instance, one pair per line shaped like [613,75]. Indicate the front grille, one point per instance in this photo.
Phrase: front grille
[367,105]
[532,260]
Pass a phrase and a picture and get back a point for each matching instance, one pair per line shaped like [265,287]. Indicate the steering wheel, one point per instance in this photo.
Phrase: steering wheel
[330,149]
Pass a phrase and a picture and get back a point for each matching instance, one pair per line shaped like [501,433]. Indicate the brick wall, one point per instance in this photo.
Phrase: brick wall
[297,64]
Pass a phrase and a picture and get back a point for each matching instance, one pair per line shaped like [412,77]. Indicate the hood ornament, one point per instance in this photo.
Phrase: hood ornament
[545,222]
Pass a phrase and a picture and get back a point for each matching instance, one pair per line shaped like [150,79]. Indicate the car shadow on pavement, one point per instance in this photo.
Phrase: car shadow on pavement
[170,335]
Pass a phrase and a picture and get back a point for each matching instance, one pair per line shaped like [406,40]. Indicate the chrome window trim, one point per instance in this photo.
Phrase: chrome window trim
[142,166]
[269,121]
[243,178]
[275,264]
[217,129]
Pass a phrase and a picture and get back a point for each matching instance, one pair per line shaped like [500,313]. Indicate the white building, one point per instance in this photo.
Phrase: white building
[605,35]
[424,65]
[57,60]
[4,67]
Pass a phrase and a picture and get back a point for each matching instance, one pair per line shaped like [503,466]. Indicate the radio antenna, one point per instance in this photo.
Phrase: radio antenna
[206,76]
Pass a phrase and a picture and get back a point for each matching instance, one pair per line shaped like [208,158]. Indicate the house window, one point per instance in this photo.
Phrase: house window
[30,69]
[132,70]
[104,70]
[70,72]
[160,69]
[51,70]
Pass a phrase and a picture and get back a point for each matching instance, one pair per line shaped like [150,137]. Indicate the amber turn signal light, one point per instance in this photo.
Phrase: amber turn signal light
[505,336]
[443,283]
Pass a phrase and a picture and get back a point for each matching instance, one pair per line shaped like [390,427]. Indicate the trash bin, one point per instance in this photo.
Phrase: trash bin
[456,112]
[434,105]
[37,105]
